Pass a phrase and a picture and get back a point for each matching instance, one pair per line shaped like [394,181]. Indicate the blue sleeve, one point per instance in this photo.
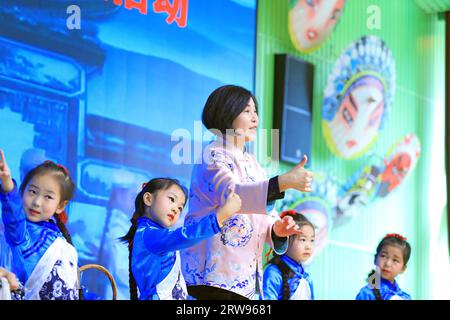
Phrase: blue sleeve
[366,294]
[405,296]
[13,217]
[163,240]
[311,286]
[270,205]
[272,283]
[280,245]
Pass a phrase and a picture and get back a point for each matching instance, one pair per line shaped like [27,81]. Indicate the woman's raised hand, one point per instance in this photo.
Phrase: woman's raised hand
[297,178]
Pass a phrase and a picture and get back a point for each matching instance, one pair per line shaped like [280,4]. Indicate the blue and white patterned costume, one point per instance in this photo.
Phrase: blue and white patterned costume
[388,291]
[42,259]
[301,286]
[156,260]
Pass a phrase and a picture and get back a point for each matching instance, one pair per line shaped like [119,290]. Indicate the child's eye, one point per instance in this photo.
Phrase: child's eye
[31,191]
[49,197]
[172,199]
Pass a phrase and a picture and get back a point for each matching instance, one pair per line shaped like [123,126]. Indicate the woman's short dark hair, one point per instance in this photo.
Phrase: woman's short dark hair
[223,106]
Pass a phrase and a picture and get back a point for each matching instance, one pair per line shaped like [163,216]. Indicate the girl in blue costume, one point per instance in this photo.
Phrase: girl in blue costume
[392,255]
[154,259]
[285,278]
[34,217]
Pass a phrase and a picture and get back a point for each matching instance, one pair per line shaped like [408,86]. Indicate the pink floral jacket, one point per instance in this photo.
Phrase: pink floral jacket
[231,259]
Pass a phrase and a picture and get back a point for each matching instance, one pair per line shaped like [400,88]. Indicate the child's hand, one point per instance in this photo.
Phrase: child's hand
[233,203]
[286,227]
[10,277]
[230,207]
[5,174]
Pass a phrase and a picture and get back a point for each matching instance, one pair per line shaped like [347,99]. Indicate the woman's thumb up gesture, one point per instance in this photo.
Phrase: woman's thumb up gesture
[297,178]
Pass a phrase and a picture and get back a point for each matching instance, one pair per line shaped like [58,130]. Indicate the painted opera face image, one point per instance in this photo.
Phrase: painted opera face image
[358,97]
[399,163]
[356,123]
[312,21]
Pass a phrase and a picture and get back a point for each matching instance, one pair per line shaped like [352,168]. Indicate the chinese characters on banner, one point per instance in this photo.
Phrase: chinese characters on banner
[177,10]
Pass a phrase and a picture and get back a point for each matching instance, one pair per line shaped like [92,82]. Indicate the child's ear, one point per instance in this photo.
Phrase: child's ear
[61,207]
[148,199]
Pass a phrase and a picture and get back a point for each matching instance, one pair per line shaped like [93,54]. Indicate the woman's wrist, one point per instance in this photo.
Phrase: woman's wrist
[221,215]
[273,190]
[283,182]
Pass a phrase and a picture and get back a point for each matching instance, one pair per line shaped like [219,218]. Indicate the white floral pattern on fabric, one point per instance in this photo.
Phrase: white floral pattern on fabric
[229,260]
[236,231]
[178,293]
[218,158]
[55,288]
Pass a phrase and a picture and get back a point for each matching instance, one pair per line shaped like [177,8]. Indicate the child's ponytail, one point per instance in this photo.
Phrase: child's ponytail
[376,291]
[128,238]
[286,273]
[61,223]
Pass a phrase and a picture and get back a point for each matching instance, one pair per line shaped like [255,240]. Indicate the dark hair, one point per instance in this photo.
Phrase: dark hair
[375,290]
[67,189]
[392,239]
[395,240]
[286,271]
[153,186]
[300,219]
[224,104]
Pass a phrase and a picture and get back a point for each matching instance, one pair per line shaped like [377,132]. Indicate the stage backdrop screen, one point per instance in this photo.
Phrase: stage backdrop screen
[114,91]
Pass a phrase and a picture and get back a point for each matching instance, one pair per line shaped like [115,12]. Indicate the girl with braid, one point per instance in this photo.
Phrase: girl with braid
[392,255]
[154,259]
[34,217]
[285,278]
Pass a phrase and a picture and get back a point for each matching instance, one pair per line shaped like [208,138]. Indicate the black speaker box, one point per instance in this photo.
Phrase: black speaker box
[293,102]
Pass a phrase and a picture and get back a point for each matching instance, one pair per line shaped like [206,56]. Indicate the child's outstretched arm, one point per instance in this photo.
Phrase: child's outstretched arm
[157,240]
[160,240]
[12,213]
[231,206]
[5,174]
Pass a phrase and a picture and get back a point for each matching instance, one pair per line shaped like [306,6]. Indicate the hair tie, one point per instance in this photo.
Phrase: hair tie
[288,212]
[63,217]
[63,168]
[395,235]
[59,166]
[143,185]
